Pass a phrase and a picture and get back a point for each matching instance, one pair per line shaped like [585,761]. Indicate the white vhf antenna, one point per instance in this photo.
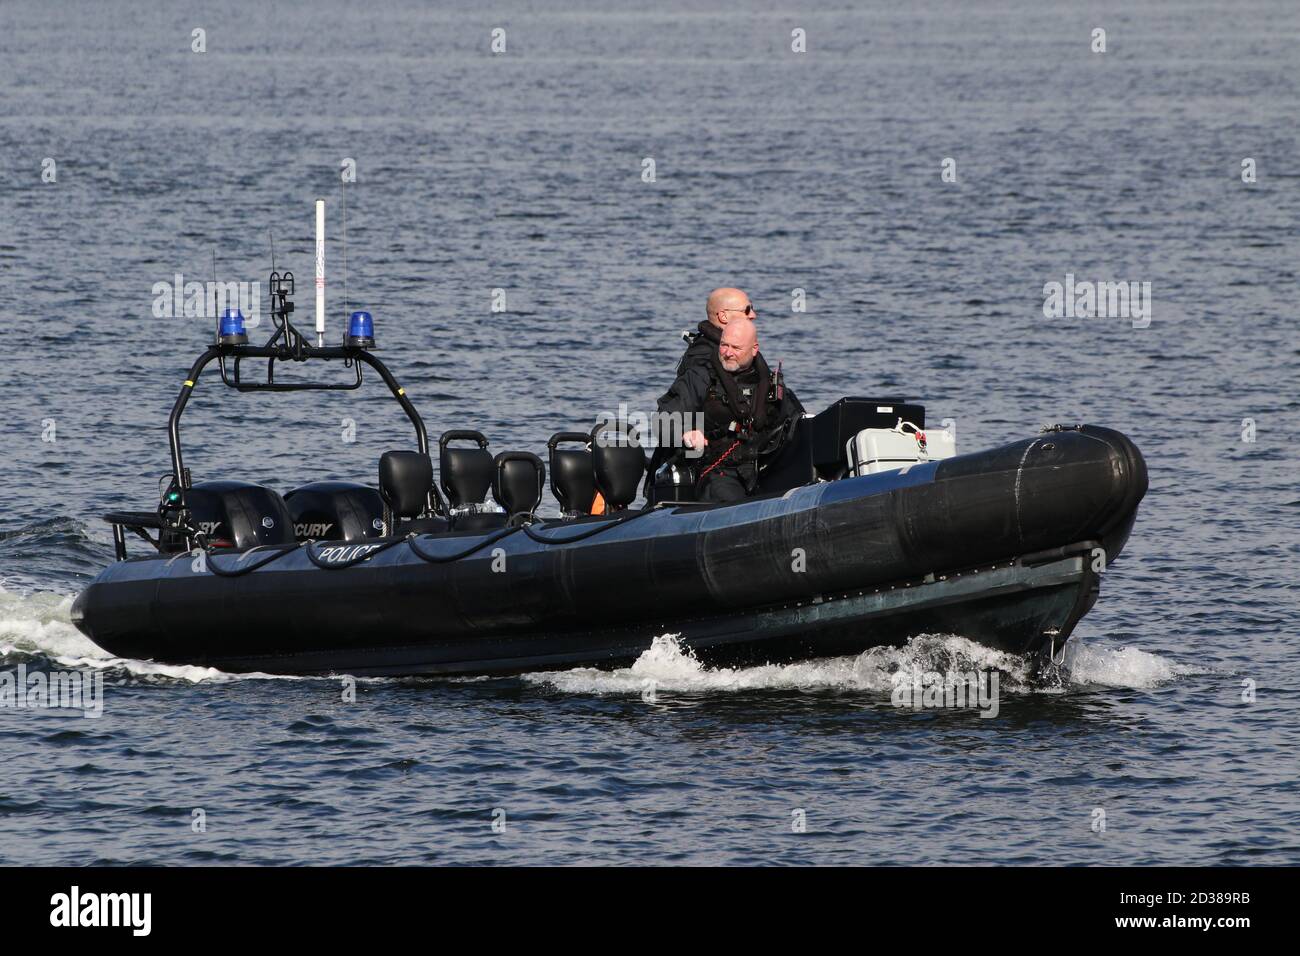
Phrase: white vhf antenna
[320,273]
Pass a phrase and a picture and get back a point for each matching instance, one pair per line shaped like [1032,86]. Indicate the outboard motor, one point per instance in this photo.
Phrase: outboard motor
[336,511]
[619,467]
[573,478]
[405,478]
[517,485]
[237,514]
[466,474]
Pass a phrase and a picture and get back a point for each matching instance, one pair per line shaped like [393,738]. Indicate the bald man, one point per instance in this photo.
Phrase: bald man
[723,307]
[747,412]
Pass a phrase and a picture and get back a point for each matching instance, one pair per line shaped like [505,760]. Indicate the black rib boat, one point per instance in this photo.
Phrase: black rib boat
[1005,547]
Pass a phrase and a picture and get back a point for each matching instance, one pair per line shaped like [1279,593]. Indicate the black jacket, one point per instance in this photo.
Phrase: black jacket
[702,345]
[749,410]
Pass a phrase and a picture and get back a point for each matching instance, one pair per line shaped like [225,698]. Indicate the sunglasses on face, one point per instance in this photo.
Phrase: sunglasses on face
[747,310]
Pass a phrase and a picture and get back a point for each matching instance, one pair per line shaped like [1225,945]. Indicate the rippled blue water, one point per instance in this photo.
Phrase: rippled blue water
[774,171]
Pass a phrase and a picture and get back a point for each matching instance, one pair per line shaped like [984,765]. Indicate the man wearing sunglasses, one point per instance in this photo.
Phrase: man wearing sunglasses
[747,413]
[724,306]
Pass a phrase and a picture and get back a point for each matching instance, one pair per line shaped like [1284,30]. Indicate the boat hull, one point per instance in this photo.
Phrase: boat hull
[1005,547]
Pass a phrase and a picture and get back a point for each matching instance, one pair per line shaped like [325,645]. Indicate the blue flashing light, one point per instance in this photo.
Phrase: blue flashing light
[232,330]
[361,330]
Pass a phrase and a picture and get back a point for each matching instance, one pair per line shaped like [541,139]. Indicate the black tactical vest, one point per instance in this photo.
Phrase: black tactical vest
[722,425]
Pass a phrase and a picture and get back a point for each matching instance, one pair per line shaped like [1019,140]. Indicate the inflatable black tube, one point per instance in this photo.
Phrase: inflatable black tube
[999,546]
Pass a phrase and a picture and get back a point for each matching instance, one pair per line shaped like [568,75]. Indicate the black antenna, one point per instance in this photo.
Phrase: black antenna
[346,312]
[214,294]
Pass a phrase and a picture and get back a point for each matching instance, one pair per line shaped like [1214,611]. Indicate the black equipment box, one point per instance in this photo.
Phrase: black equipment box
[832,428]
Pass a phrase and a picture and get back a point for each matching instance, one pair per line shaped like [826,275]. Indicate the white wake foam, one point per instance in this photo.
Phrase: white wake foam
[40,624]
[1120,666]
[667,666]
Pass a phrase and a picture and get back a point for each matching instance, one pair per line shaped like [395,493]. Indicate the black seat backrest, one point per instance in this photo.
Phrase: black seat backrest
[518,482]
[405,478]
[618,463]
[573,476]
[465,473]
[336,511]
